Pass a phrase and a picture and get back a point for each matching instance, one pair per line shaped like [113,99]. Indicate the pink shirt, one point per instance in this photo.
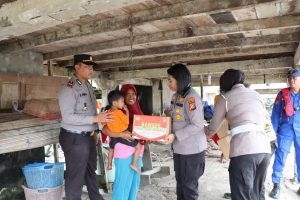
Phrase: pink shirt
[124,151]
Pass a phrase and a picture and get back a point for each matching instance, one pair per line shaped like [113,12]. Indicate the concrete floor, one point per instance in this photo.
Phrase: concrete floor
[212,184]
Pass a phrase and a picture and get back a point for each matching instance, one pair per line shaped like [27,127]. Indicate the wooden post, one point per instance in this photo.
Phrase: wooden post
[55,146]
[50,68]
[201,85]
[101,162]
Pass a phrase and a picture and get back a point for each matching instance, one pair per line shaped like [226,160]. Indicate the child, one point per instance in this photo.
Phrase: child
[120,124]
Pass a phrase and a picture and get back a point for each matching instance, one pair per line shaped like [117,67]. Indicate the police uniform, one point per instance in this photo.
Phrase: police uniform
[78,107]
[249,146]
[288,131]
[189,144]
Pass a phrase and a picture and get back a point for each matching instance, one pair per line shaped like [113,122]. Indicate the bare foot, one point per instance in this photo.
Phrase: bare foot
[135,168]
[109,167]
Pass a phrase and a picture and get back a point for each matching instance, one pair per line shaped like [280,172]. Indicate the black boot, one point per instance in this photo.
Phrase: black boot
[298,192]
[275,191]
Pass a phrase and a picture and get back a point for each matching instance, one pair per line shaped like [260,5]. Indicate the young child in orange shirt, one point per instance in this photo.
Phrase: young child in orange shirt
[121,121]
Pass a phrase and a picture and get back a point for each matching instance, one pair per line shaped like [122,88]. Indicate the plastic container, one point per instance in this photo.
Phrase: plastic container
[44,175]
[43,193]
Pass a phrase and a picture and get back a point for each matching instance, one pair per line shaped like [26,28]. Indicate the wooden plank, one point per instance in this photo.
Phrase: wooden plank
[24,123]
[23,131]
[200,31]
[9,94]
[195,57]
[240,42]
[32,140]
[214,68]
[121,22]
[6,117]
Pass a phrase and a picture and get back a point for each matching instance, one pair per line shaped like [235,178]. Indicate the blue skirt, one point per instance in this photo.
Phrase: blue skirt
[127,181]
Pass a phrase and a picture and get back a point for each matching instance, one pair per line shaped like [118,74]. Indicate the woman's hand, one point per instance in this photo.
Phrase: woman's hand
[126,136]
[170,138]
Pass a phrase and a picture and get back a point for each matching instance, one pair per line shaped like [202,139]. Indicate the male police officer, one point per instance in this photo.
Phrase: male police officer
[286,122]
[78,130]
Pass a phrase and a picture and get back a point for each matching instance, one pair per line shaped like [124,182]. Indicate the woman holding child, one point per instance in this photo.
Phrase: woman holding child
[127,178]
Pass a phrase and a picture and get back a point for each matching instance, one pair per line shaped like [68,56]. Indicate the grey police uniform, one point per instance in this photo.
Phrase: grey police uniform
[190,143]
[78,107]
[249,147]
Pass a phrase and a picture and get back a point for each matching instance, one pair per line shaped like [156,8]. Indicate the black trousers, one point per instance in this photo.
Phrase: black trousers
[81,164]
[247,176]
[188,169]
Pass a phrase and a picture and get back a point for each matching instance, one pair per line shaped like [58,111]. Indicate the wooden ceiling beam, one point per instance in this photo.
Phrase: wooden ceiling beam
[214,68]
[197,56]
[200,31]
[122,22]
[240,42]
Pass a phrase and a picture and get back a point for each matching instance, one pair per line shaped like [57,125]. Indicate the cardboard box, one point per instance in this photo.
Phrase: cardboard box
[223,130]
[224,144]
[153,128]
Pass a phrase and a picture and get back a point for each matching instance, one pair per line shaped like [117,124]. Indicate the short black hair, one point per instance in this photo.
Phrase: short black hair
[230,78]
[114,95]
[182,75]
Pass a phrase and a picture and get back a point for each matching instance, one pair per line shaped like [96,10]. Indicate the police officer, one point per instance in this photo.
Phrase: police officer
[78,130]
[250,147]
[188,137]
[286,122]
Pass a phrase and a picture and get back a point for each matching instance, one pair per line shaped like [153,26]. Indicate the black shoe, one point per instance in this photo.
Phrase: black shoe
[227,196]
[298,192]
[275,191]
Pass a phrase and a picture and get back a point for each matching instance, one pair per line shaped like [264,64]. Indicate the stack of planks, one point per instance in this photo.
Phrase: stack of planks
[21,132]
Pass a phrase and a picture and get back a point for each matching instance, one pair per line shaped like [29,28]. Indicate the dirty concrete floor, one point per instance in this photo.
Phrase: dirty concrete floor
[212,184]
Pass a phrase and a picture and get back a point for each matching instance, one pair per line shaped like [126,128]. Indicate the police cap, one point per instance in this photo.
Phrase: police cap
[84,58]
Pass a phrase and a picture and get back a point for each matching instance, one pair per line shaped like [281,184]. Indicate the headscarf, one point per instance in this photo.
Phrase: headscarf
[134,108]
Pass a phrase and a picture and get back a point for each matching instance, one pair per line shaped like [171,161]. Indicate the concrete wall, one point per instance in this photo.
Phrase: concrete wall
[25,62]
[167,95]
[156,98]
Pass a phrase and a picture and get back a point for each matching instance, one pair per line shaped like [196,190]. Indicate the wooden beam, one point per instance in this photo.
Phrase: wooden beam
[196,56]
[241,42]
[297,57]
[138,18]
[251,80]
[200,31]
[50,67]
[214,68]
[267,91]
[20,18]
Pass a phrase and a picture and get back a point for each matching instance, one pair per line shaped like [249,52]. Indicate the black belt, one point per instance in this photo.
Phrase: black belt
[83,133]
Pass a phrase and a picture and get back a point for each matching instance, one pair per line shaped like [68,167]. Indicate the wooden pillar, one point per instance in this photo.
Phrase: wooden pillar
[201,85]
[297,57]
[55,146]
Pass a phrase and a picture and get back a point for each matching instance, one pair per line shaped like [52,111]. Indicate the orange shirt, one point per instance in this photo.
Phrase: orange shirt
[120,123]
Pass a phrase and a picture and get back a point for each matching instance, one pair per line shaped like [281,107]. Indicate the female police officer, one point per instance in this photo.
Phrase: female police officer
[250,146]
[188,137]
